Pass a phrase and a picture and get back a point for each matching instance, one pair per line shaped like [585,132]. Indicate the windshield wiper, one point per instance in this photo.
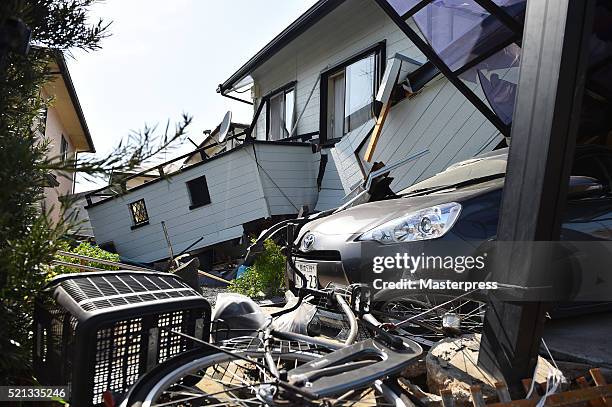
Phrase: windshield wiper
[456,185]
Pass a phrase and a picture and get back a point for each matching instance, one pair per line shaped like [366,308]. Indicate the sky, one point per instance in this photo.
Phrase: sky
[167,57]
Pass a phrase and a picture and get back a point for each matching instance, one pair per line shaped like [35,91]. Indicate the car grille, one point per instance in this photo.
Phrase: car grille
[321,255]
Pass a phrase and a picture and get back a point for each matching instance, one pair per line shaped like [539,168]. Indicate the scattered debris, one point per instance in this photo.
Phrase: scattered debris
[452,366]
[598,395]
[211,293]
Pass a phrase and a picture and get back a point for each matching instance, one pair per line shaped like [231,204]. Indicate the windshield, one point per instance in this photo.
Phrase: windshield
[486,166]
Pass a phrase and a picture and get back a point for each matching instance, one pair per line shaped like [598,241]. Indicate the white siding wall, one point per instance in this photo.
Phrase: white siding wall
[240,192]
[332,193]
[236,197]
[54,130]
[352,27]
[344,155]
[289,176]
[438,118]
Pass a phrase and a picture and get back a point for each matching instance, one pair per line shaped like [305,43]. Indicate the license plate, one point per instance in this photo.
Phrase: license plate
[310,272]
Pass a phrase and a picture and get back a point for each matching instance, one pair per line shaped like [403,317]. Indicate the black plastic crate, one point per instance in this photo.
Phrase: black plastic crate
[101,331]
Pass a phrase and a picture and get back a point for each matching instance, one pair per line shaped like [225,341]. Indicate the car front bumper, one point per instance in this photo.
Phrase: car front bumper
[342,260]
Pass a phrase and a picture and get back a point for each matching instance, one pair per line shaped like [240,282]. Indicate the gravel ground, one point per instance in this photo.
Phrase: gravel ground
[210,293]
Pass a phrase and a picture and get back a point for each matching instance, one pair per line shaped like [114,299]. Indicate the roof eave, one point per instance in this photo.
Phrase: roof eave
[63,68]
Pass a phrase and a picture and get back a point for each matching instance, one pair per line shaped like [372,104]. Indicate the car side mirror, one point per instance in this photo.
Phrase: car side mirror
[584,187]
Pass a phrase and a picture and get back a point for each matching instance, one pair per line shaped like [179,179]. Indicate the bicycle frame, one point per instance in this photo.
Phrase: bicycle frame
[350,369]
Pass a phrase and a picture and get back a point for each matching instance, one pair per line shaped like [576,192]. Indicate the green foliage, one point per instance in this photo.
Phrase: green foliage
[86,249]
[266,277]
[28,239]
[250,284]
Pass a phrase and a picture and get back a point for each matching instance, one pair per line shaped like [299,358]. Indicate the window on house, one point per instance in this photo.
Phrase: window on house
[350,94]
[198,191]
[64,149]
[140,216]
[281,112]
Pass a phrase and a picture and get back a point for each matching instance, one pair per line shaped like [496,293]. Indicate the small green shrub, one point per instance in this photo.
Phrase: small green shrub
[86,249]
[266,277]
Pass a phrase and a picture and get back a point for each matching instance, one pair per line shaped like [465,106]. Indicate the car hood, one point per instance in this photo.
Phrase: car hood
[361,218]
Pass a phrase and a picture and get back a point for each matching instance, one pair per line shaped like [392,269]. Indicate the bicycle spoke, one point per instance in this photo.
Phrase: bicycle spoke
[344,400]
[428,326]
[239,377]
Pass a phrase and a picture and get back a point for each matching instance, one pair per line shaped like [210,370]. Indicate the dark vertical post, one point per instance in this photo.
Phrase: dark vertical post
[545,124]
[14,36]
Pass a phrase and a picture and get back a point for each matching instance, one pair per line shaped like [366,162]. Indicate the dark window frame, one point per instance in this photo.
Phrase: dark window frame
[64,148]
[291,86]
[135,222]
[379,50]
[43,120]
[196,183]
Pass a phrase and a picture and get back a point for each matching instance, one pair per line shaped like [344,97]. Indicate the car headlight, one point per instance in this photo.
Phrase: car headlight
[425,224]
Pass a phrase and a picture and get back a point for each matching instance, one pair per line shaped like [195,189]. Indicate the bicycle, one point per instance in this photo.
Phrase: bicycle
[275,368]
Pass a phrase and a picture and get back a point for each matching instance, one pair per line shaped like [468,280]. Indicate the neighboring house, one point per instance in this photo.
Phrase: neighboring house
[129,180]
[66,131]
[206,149]
[340,88]
[78,217]
[211,146]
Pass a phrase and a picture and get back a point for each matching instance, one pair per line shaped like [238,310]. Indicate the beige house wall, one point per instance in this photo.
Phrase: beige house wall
[64,117]
[53,134]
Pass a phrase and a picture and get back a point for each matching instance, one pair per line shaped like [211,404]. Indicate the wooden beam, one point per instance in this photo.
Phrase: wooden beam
[205,274]
[583,384]
[447,398]
[76,266]
[380,122]
[122,266]
[502,392]
[568,398]
[600,380]
[477,397]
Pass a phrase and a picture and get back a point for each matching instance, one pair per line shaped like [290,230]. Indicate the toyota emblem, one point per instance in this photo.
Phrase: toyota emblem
[308,242]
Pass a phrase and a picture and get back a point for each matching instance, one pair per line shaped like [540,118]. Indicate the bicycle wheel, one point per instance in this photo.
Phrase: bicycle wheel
[200,378]
[429,326]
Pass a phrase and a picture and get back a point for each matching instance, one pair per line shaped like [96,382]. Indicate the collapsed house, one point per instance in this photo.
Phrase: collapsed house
[341,88]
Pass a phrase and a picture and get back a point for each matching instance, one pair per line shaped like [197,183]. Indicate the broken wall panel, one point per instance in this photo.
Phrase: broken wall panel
[440,119]
[344,155]
[331,192]
[289,177]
